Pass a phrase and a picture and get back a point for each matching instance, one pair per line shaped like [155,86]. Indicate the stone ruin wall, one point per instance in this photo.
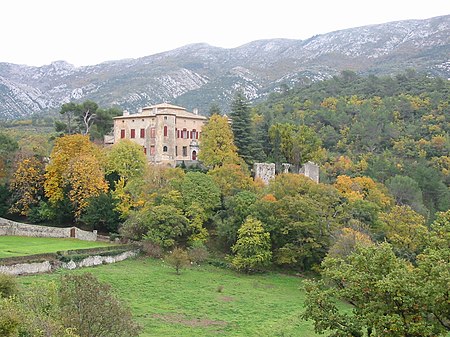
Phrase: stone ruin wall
[264,171]
[267,171]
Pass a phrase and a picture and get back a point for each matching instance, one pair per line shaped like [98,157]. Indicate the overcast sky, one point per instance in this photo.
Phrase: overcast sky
[87,32]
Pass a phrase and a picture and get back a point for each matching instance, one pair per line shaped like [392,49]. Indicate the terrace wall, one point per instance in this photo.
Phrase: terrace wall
[52,265]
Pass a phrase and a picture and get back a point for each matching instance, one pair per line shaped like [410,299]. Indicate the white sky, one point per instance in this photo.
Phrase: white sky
[87,32]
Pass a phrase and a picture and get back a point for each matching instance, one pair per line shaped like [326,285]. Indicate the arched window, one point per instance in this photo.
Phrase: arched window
[164,148]
[165,130]
[194,155]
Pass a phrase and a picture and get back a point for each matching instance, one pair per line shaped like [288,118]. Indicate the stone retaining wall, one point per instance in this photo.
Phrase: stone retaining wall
[9,227]
[47,266]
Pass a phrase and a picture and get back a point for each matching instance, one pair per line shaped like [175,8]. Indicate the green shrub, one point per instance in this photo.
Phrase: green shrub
[10,319]
[198,253]
[8,286]
[178,258]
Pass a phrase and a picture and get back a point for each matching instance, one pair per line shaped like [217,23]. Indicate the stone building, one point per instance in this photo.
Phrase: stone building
[167,133]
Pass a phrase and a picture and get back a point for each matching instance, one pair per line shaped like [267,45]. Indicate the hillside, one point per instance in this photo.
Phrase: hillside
[198,74]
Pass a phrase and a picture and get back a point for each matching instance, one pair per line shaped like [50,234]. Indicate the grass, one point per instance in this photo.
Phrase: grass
[21,246]
[203,301]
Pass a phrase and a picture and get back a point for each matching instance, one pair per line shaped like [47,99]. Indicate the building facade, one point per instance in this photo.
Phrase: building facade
[167,133]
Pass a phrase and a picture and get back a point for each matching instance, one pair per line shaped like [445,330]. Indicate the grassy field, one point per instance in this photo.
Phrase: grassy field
[19,245]
[203,301]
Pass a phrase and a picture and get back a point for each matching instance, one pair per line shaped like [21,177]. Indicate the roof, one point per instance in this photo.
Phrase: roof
[163,108]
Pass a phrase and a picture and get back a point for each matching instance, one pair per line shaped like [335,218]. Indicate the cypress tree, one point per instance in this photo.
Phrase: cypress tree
[242,127]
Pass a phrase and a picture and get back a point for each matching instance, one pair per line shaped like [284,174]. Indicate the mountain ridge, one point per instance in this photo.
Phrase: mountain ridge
[198,74]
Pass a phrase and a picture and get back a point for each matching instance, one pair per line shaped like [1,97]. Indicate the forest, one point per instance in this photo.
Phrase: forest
[377,226]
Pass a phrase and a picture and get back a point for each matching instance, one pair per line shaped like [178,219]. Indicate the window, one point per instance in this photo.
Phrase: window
[164,148]
[122,133]
[152,150]
[176,150]
[194,155]
[142,133]
[194,134]
[145,150]
[165,130]
[152,133]
[133,133]
[184,134]
[184,151]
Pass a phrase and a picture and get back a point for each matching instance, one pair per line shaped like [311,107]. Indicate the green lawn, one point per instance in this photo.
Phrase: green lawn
[20,245]
[166,304]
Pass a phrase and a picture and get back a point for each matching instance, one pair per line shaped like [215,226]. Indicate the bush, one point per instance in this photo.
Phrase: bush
[179,258]
[198,253]
[10,319]
[8,286]
[90,307]
[133,228]
[152,249]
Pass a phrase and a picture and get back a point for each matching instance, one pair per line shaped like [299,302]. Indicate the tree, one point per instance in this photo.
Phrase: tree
[387,294]
[69,110]
[241,124]
[405,229]
[252,248]
[101,213]
[75,172]
[363,188]
[165,225]
[127,159]
[103,122]
[8,146]
[301,217]
[90,307]
[217,146]
[231,178]
[237,208]
[297,144]
[200,188]
[178,258]
[27,185]
[347,241]
[214,109]
[406,191]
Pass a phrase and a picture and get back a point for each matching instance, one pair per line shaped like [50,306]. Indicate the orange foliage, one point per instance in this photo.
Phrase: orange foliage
[363,188]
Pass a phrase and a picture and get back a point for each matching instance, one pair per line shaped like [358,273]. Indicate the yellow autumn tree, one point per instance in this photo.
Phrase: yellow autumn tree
[232,178]
[217,147]
[405,229]
[347,241]
[363,188]
[86,179]
[75,171]
[27,185]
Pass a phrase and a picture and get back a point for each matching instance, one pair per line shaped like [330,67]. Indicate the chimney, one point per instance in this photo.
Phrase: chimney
[195,111]
[126,113]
